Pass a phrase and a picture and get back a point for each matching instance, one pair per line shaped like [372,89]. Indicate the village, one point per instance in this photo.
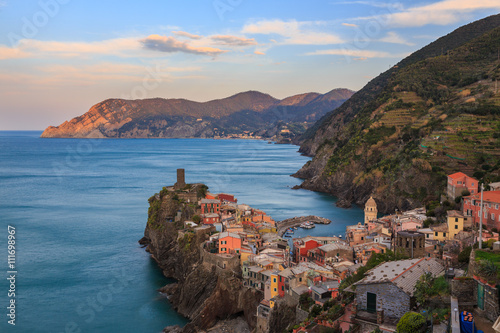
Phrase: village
[386,271]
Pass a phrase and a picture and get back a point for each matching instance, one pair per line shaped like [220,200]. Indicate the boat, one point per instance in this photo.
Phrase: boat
[340,236]
[290,231]
[307,225]
[287,235]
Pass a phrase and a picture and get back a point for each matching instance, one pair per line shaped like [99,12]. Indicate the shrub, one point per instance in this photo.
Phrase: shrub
[465,255]
[196,219]
[411,322]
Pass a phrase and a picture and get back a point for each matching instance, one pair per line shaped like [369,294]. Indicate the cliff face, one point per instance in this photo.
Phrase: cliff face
[432,114]
[179,118]
[204,293]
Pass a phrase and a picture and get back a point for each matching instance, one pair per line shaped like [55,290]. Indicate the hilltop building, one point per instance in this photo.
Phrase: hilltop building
[460,182]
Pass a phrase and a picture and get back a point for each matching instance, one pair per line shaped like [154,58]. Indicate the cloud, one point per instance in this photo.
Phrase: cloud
[350,25]
[439,13]
[171,45]
[259,53]
[372,4]
[233,40]
[393,38]
[11,53]
[186,34]
[294,32]
[361,54]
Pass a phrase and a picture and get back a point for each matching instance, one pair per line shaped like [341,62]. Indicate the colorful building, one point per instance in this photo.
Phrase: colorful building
[210,206]
[227,197]
[210,218]
[491,208]
[460,182]
[229,243]
[455,223]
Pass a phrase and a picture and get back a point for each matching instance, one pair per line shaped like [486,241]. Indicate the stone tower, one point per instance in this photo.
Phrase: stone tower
[181,182]
[370,210]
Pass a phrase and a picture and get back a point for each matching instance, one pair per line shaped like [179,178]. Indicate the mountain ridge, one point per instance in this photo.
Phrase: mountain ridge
[158,117]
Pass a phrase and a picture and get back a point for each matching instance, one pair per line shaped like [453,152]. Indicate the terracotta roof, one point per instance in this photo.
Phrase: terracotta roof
[228,234]
[490,196]
[457,175]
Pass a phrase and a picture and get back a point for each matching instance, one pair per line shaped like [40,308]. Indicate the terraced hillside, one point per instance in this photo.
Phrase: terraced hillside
[433,117]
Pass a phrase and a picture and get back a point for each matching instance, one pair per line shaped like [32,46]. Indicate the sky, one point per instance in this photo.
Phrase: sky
[60,57]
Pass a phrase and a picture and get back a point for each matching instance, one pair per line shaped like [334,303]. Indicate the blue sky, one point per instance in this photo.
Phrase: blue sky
[60,57]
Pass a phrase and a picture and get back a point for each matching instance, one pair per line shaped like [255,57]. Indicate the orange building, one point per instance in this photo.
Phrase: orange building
[229,243]
[459,182]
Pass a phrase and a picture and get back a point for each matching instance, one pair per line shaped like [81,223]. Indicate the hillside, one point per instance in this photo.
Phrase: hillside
[436,112]
[250,113]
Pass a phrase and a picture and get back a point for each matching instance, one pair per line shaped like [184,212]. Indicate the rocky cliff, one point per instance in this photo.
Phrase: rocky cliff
[204,293]
[434,113]
[250,111]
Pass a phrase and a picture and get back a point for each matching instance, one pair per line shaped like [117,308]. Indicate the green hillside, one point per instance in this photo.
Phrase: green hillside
[422,120]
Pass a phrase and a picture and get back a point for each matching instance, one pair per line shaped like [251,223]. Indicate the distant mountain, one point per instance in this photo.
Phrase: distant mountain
[245,114]
[434,113]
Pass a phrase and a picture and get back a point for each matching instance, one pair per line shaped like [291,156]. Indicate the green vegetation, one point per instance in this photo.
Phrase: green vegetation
[305,302]
[464,256]
[196,219]
[433,114]
[186,242]
[428,286]
[411,322]
[154,213]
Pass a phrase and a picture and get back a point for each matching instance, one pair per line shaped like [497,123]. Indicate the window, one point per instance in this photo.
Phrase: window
[456,226]
[492,216]
[274,280]
[444,234]
[282,288]
[456,219]
[427,235]
[472,184]
[275,290]
[436,234]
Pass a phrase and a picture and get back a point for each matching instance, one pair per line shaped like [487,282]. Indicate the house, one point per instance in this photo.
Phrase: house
[389,287]
[210,206]
[355,234]
[301,247]
[455,223]
[491,208]
[460,182]
[441,232]
[210,218]
[332,252]
[324,291]
[229,243]
[224,197]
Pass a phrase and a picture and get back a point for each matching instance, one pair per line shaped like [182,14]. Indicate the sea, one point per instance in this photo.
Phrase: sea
[79,206]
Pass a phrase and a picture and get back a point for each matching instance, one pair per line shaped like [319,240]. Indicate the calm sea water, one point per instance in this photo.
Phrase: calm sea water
[80,206]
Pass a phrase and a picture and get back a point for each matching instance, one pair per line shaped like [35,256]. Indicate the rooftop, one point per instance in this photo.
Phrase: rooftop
[490,196]
[443,227]
[403,273]
[457,175]
[210,201]
[228,234]
[408,233]
[334,247]
[454,213]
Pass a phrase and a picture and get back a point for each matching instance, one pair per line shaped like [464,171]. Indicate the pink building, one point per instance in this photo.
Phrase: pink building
[491,208]
[459,182]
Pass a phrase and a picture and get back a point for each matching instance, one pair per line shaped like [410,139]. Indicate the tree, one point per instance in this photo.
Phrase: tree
[465,255]
[411,322]
[196,219]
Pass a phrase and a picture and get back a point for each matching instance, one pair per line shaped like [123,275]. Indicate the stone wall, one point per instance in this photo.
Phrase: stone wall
[462,289]
[491,302]
[222,262]
[390,298]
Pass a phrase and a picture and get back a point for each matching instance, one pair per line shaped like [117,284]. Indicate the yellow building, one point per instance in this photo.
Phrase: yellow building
[370,210]
[441,232]
[449,230]
[455,223]
[274,284]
